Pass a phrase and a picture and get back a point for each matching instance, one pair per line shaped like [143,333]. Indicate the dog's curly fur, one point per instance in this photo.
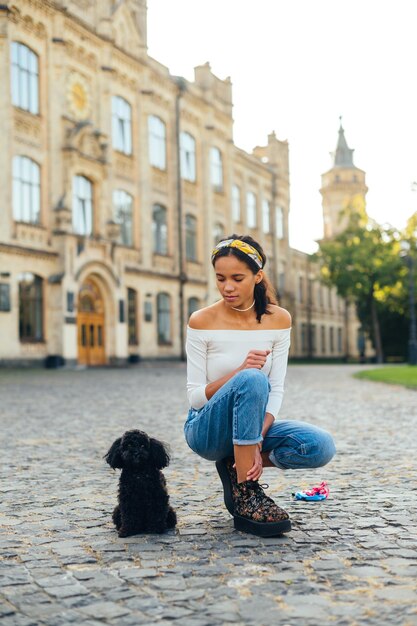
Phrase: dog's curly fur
[143,497]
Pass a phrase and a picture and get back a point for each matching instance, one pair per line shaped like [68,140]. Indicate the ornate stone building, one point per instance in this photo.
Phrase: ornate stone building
[116,179]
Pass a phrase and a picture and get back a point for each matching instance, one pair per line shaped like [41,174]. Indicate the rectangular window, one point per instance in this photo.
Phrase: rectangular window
[313,339]
[164,318]
[216,169]
[339,340]
[25,78]
[323,340]
[121,311]
[190,238]
[187,157]
[4,297]
[331,331]
[82,206]
[159,229]
[279,219]
[300,289]
[26,190]
[265,216]
[132,317]
[123,210]
[30,307]
[281,282]
[251,210]
[236,214]
[303,338]
[121,125]
[157,142]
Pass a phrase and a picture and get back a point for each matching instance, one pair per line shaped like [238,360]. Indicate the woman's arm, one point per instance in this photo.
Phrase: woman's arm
[255,359]
[268,421]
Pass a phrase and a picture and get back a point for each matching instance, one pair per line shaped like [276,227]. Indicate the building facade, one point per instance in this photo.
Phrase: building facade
[116,180]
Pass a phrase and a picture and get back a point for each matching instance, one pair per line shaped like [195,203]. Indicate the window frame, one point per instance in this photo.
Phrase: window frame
[132,317]
[266,216]
[26,190]
[191,238]
[160,230]
[236,204]
[216,168]
[165,298]
[82,203]
[251,210]
[122,137]
[279,222]
[28,314]
[25,79]
[188,157]
[157,142]
[123,215]
[190,309]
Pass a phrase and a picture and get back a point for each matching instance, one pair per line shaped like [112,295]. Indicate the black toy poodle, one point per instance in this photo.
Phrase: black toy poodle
[143,498]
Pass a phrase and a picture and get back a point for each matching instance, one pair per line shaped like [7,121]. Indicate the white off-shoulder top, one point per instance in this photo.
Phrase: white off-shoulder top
[212,354]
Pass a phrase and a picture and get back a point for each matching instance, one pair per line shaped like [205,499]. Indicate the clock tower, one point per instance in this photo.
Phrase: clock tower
[343,187]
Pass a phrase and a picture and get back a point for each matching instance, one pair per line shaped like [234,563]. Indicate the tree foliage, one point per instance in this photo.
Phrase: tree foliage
[364,264]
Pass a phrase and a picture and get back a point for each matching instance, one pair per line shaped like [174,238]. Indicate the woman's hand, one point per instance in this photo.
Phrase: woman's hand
[256,470]
[255,359]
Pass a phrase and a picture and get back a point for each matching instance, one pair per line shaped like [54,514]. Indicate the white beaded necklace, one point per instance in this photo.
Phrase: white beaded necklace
[243,310]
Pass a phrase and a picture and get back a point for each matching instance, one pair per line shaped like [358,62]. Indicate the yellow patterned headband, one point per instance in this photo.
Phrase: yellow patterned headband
[239,245]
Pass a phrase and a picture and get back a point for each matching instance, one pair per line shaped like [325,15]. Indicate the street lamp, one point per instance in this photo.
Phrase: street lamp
[412,338]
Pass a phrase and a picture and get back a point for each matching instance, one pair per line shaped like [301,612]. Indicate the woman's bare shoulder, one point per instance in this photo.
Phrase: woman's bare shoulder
[203,319]
[279,318]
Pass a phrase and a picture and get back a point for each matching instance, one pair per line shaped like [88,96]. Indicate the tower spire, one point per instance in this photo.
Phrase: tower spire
[343,157]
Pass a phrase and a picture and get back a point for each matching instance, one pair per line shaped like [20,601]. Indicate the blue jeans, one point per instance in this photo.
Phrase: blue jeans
[235,415]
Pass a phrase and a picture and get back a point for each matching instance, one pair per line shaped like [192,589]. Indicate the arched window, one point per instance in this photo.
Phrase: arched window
[163,306]
[190,238]
[82,205]
[121,125]
[187,157]
[30,307]
[218,233]
[216,169]
[251,209]
[265,216]
[279,220]
[25,78]
[193,305]
[26,190]
[236,203]
[123,208]
[132,317]
[157,142]
[159,229]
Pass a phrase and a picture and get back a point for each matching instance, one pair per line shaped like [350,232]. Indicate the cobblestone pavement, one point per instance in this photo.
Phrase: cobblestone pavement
[349,560]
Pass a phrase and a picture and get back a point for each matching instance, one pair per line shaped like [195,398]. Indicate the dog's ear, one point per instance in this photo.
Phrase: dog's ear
[113,456]
[159,454]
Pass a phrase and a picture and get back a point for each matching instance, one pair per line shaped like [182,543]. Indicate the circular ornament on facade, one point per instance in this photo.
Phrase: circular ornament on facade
[78,96]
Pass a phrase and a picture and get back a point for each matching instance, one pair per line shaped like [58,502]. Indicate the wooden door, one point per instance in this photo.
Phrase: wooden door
[90,322]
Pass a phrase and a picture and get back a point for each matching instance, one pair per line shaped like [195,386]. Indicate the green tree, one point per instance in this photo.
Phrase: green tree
[363,263]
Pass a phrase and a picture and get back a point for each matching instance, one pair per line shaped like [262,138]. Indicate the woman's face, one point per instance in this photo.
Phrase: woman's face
[235,281]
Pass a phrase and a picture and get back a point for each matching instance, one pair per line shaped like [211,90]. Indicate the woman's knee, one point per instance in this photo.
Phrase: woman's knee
[325,450]
[313,448]
[253,379]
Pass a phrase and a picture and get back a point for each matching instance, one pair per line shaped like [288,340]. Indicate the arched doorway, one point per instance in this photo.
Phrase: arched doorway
[90,323]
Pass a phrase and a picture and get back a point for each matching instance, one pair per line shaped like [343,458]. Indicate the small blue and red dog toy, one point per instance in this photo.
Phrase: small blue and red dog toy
[316,493]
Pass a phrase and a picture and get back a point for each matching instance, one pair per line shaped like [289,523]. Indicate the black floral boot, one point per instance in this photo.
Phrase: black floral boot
[256,513]
[228,476]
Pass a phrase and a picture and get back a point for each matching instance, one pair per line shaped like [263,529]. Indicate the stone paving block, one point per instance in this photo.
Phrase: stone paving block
[349,560]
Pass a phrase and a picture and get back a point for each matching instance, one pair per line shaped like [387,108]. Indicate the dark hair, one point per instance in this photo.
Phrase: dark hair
[263,292]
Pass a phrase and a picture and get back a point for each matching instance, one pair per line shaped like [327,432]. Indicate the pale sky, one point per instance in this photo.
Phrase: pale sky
[296,65]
